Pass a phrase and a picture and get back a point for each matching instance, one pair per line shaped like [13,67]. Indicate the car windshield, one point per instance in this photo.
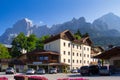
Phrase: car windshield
[40,69]
[9,68]
[30,69]
[84,67]
[53,69]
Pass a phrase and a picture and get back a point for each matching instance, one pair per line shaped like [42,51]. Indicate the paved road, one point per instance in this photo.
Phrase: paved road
[62,75]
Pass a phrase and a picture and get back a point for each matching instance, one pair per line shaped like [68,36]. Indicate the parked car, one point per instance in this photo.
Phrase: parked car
[40,71]
[106,70]
[10,70]
[53,70]
[84,70]
[30,71]
[94,69]
[74,71]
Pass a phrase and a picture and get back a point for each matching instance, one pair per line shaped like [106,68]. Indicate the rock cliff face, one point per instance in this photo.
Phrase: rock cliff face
[111,20]
[105,26]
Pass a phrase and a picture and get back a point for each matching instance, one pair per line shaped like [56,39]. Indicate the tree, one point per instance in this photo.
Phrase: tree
[21,42]
[18,43]
[85,35]
[31,42]
[4,52]
[78,35]
[40,42]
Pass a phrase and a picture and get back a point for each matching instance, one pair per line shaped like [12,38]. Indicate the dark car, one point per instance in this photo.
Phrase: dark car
[84,70]
[106,70]
[10,70]
[94,69]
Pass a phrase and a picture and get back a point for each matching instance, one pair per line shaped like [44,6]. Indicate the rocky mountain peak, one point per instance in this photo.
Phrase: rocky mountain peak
[112,20]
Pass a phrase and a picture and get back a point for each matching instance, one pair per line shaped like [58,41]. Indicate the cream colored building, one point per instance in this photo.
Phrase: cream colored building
[74,52]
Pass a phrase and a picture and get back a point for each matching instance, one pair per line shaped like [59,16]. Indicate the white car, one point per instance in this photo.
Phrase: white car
[40,71]
[74,71]
[10,70]
[53,70]
[30,71]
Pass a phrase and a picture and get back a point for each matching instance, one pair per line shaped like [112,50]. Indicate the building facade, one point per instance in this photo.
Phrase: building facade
[111,57]
[74,52]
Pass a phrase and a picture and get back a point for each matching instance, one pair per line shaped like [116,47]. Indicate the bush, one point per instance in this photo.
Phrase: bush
[37,78]
[20,77]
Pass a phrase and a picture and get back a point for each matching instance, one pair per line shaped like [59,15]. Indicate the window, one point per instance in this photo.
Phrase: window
[88,55]
[77,46]
[73,61]
[84,55]
[64,52]
[46,47]
[73,53]
[64,43]
[80,47]
[68,60]
[80,55]
[41,58]
[68,44]
[73,45]
[88,62]
[64,60]
[49,46]
[77,54]
[77,61]
[68,53]
[45,58]
[84,61]
[80,61]
[87,49]
[84,48]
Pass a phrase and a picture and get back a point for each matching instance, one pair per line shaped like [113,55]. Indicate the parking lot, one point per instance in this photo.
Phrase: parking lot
[67,75]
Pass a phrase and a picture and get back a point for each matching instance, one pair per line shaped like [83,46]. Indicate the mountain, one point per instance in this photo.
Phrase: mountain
[26,26]
[102,29]
[41,30]
[23,25]
[111,20]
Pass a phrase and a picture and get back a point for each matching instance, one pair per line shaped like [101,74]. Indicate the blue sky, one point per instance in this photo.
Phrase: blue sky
[53,11]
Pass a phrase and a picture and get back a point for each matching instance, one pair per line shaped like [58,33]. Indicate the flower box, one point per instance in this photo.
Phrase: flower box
[72,79]
[37,78]
[3,78]
[20,77]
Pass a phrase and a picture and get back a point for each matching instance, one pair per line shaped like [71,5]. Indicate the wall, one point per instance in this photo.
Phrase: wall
[53,46]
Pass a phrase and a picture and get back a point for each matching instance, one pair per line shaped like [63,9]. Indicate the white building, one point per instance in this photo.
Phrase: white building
[72,51]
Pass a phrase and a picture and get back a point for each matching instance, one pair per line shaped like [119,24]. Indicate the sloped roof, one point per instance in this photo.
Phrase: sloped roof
[67,35]
[63,35]
[109,53]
